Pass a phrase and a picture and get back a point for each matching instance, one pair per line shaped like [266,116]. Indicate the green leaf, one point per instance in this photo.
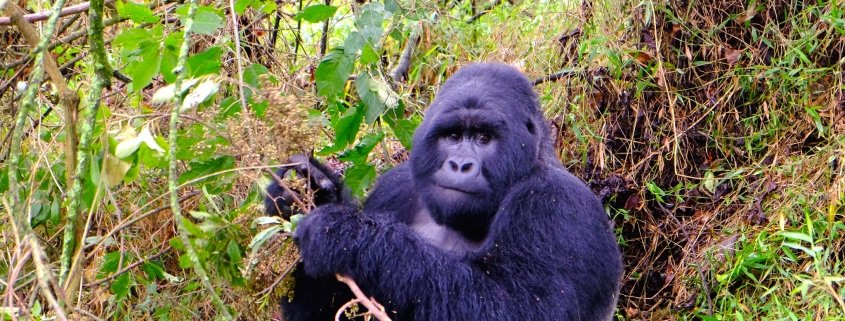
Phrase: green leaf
[132,38]
[206,20]
[110,264]
[376,95]
[316,13]
[252,76]
[402,128]
[234,252]
[241,5]
[354,42]
[201,169]
[120,286]
[136,12]
[368,55]
[347,125]
[263,236]
[206,62]
[358,177]
[153,269]
[370,22]
[361,151]
[145,70]
[333,72]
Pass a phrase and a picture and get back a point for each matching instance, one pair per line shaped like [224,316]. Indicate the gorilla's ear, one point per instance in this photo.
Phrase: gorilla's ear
[531,128]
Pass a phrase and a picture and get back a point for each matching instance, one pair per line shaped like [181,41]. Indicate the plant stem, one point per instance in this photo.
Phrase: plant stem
[173,175]
[69,273]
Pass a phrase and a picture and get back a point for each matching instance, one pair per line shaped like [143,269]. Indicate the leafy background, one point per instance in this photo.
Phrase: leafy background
[711,130]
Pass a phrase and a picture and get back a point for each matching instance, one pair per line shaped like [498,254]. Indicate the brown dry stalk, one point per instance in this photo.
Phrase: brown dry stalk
[372,306]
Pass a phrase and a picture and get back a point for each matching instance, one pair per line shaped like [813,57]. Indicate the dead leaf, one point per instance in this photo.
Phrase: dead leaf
[732,55]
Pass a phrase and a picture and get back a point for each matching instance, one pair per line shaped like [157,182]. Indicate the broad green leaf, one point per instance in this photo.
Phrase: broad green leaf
[376,95]
[316,13]
[136,12]
[234,252]
[127,147]
[361,151]
[200,169]
[333,72]
[264,220]
[206,62]
[347,125]
[359,177]
[263,236]
[241,5]
[252,76]
[206,19]
[403,128]
[368,55]
[132,38]
[153,269]
[354,42]
[370,22]
[120,286]
[144,70]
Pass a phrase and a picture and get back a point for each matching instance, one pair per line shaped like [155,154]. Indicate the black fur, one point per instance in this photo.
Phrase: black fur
[536,246]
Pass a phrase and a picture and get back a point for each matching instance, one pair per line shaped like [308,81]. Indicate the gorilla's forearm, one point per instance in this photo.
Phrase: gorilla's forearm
[370,246]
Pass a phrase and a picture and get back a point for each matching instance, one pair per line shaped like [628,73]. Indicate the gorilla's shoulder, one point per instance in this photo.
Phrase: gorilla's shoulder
[552,184]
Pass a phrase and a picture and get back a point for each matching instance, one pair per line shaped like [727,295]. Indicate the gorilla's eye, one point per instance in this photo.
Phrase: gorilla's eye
[483,139]
[454,137]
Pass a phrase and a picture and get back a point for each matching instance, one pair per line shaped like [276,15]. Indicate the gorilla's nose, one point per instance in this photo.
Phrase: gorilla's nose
[462,166]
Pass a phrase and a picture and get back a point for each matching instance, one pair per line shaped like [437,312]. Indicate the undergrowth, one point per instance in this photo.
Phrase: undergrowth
[712,132]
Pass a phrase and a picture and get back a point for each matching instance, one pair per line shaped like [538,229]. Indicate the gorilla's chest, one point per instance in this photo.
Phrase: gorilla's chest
[441,236]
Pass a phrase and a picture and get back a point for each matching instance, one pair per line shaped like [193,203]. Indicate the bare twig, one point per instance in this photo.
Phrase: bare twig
[484,11]
[43,15]
[555,76]
[370,304]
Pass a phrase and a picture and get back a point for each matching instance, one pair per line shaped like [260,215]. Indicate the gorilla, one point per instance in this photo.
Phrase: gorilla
[482,223]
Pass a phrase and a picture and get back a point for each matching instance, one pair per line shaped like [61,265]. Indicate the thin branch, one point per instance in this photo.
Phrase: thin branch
[27,104]
[555,76]
[69,272]
[43,15]
[484,11]
[128,267]
[324,39]
[173,175]
[371,305]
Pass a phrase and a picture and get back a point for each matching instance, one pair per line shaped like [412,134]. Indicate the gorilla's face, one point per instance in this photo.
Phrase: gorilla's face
[473,145]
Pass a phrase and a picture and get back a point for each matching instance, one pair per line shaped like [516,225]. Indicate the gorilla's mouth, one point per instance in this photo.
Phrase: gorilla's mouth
[458,189]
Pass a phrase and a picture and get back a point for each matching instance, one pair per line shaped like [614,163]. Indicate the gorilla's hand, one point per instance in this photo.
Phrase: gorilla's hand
[326,186]
[330,239]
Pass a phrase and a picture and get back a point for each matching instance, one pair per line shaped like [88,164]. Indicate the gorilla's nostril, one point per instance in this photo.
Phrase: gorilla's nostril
[453,165]
[466,167]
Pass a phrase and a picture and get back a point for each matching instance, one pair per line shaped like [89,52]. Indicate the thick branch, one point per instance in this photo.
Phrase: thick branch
[401,71]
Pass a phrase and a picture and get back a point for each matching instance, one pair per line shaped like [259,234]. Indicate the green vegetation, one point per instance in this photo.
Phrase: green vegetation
[136,138]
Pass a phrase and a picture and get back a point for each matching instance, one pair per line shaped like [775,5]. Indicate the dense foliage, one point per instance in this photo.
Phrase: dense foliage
[136,139]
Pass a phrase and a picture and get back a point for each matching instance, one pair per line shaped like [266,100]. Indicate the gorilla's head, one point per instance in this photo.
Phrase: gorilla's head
[483,133]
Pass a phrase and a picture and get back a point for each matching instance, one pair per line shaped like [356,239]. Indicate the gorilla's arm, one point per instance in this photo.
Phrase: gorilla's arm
[548,239]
